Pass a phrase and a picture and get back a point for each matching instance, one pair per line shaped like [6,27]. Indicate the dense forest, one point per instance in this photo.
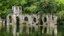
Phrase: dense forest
[36,6]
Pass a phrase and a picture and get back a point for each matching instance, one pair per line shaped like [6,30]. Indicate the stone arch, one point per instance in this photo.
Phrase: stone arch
[10,19]
[26,18]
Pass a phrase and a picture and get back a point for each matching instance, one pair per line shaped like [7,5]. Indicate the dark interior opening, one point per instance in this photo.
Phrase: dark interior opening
[52,18]
[36,23]
[26,18]
[29,29]
[17,24]
[45,19]
[41,22]
[10,19]
[41,28]
[33,29]
[45,30]
[34,19]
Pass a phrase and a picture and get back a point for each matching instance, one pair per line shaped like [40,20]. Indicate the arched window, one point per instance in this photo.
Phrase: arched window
[52,18]
[45,19]
[10,19]
[26,18]
[34,19]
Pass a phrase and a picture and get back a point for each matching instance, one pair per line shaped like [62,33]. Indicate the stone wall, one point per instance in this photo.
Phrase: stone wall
[48,21]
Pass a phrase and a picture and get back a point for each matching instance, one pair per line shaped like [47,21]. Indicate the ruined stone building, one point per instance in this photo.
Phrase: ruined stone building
[17,19]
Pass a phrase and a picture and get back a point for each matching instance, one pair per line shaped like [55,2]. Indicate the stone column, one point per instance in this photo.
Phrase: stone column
[8,24]
[29,24]
[27,30]
[55,27]
[3,22]
[21,21]
[49,28]
[36,23]
[55,31]
[43,23]
[14,24]
[48,23]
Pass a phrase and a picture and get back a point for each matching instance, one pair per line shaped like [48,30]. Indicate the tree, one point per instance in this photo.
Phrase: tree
[5,5]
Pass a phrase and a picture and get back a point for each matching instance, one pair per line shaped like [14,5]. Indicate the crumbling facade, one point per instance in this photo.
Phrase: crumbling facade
[17,19]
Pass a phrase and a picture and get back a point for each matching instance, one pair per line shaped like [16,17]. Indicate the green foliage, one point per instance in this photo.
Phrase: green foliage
[35,6]
[31,6]
[3,32]
[31,9]
[23,2]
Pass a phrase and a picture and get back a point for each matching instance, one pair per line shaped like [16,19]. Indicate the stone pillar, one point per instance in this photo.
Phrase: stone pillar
[21,21]
[8,24]
[14,24]
[29,24]
[48,23]
[36,24]
[27,30]
[55,23]
[43,23]
[55,31]
[3,21]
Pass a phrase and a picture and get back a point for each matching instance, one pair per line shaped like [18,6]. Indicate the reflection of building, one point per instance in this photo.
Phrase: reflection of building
[16,19]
